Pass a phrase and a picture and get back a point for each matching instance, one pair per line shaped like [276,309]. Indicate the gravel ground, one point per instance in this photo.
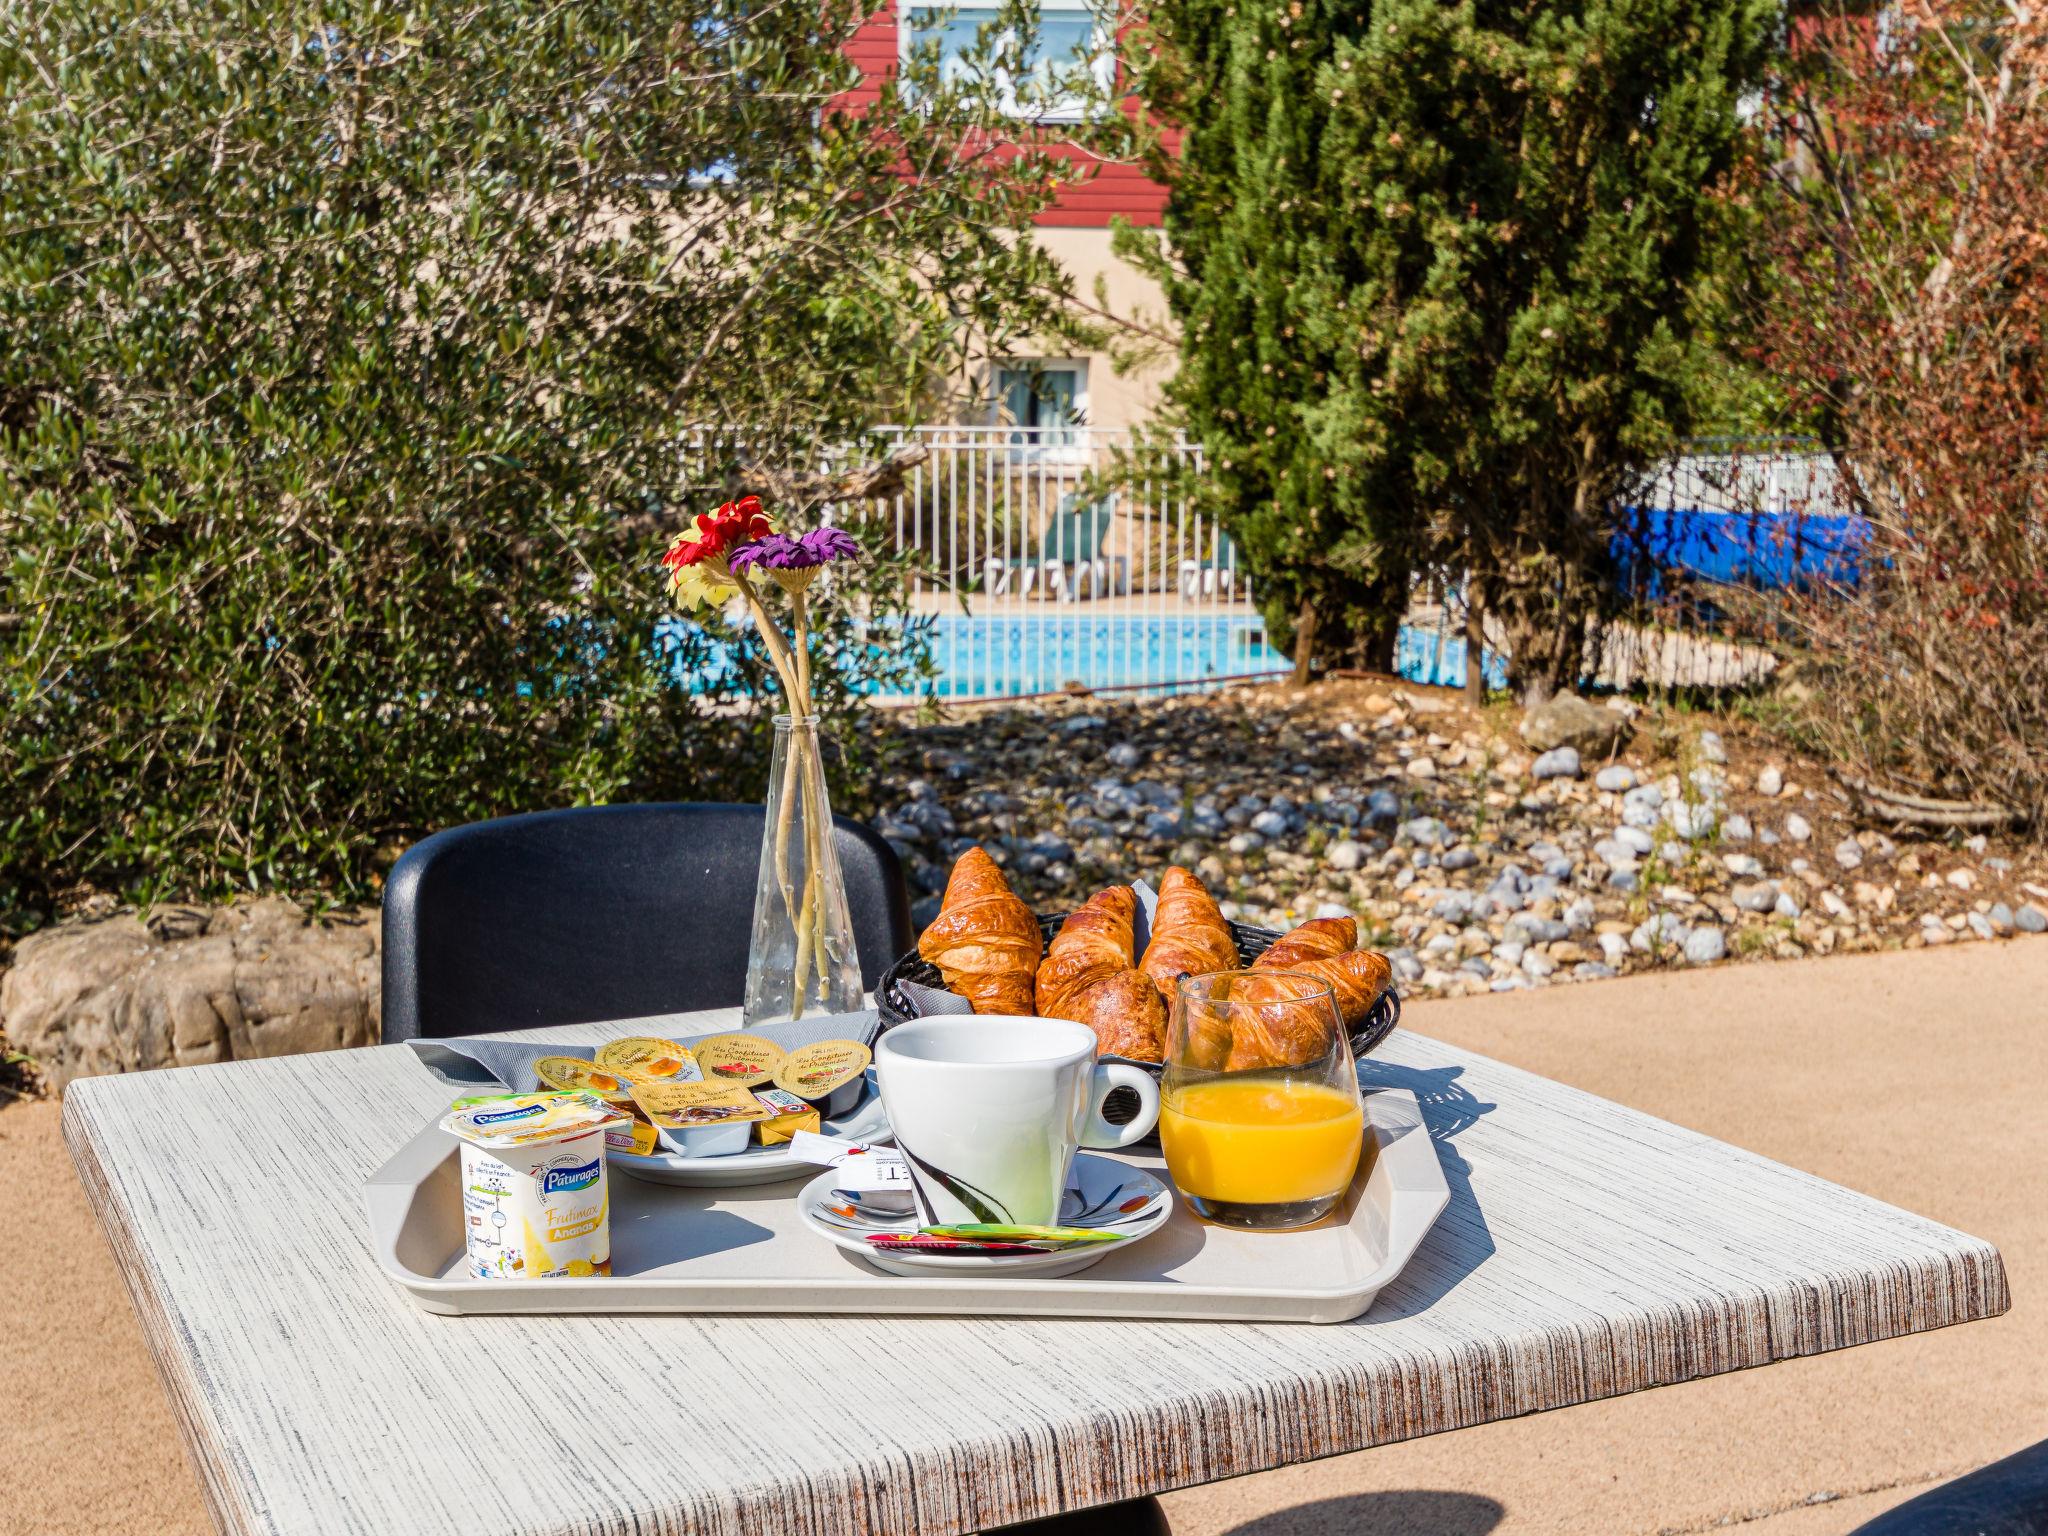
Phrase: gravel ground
[1476,862]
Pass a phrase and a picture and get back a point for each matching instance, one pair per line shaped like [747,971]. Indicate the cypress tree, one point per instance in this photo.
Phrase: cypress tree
[1433,267]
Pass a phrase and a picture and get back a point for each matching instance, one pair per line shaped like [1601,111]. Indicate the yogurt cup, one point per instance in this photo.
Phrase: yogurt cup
[535,1206]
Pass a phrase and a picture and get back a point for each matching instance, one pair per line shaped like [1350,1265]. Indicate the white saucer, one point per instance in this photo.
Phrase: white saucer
[1101,1193]
[867,1121]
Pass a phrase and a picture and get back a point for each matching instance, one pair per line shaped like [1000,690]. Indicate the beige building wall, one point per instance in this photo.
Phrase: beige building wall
[1110,399]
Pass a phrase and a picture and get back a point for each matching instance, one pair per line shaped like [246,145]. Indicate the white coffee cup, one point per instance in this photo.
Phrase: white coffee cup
[988,1112]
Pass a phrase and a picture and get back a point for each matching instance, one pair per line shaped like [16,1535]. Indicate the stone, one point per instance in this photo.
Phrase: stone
[1613,948]
[254,979]
[1615,778]
[1124,755]
[1245,842]
[1566,720]
[1743,866]
[1329,909]
[1461,857]
[1962,879]
[1760,897]
[1614,853]
[1651,795]
[2000,917]
[1421,767]
[1426,831]
[2029,919]
[1346,855]
[1787,905]
[1980,925]
[1848,854]
[1636,840]
[1771,781]
[1797,828]
[1270,824]
[1705,944]
[1382,805]
[1690,820]
[1557,763]
[1637,813]
[1712,749]
[1536,963]
[1377,704]
[1735,828]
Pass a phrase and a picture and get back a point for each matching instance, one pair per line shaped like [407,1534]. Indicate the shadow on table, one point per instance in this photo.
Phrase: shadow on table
[1394,1512]
[1460,1241]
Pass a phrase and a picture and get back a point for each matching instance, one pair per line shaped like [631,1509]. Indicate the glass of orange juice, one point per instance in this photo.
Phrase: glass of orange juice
[1259,1110]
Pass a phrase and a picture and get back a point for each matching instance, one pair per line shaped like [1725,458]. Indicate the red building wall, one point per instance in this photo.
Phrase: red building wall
[1107,191]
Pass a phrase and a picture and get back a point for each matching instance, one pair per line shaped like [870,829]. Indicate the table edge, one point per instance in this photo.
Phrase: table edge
[203,1440]
[1208,1438]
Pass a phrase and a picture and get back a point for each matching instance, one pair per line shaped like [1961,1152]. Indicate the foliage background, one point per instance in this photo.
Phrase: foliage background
[1440,272]
[1906,223]
[344,352]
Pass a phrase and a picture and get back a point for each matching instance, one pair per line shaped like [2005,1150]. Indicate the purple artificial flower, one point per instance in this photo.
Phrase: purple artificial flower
[795,552]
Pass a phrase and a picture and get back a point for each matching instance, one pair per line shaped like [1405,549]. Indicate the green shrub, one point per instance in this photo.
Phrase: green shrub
[345,360]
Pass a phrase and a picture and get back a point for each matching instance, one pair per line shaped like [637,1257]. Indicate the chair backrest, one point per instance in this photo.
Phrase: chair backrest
[1078,530]
[608,912]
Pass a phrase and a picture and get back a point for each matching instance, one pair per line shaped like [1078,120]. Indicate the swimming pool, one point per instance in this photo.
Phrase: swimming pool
[983,656]
[980,656]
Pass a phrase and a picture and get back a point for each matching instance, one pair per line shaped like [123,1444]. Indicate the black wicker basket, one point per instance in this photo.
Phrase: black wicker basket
[895,1006]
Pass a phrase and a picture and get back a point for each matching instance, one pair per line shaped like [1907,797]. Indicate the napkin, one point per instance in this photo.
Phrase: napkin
[486,1060]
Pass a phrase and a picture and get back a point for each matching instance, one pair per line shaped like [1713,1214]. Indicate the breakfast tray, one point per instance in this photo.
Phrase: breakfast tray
[747,1250]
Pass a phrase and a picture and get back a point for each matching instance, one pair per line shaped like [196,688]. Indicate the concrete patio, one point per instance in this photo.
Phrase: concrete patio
[1915,1076]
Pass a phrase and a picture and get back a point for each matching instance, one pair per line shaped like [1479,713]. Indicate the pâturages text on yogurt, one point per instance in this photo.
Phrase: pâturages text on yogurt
[536,1200]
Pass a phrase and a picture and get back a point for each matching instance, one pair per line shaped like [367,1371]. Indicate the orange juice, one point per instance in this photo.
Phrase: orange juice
[1260,1141]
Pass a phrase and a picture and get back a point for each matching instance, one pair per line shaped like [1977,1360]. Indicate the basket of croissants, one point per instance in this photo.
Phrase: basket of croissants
[987,947]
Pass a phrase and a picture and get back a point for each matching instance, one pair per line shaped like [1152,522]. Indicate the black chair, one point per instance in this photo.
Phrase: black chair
[610,912]
[2007,1498]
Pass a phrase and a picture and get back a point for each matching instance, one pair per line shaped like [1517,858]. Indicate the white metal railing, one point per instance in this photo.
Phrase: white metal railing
[1038,574]
[1040,571]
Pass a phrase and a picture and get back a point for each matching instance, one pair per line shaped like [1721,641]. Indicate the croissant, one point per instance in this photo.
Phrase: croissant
[985,941]
[1088,977]
[1189,935]
[1279,1032]
[1318,939]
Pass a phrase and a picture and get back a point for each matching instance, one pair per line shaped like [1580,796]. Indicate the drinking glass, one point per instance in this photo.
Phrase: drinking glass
[1259,1110]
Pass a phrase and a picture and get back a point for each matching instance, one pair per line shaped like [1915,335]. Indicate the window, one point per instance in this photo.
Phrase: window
[1044,402]
[1071,40]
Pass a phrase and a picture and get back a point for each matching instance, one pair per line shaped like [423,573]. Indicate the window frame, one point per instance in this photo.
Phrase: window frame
[1076,447]
[1106,19]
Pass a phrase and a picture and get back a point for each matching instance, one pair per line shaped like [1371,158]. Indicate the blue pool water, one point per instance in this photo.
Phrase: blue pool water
[982,657]
[985,657]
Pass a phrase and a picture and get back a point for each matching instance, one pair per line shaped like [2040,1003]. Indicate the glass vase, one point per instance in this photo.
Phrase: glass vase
[801,960]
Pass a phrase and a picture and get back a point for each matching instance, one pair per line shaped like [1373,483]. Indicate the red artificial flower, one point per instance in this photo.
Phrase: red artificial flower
[719,533]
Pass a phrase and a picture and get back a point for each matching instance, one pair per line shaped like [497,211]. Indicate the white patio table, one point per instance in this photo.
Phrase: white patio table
[1587,1251]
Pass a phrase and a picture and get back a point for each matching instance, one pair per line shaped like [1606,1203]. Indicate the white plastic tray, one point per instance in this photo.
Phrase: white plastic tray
[747,1250]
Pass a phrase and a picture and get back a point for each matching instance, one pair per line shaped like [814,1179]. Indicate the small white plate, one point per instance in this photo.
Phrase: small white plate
[1101,1193]
[868,1121]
